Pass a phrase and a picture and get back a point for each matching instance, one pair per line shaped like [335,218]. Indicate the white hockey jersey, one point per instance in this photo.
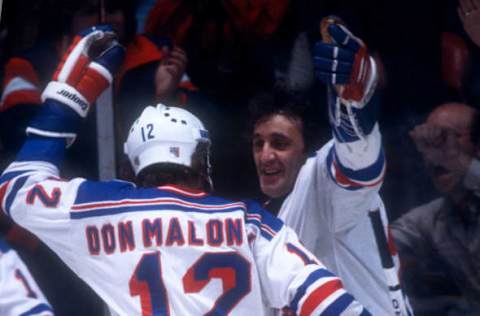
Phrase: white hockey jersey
[19,293]
[337,212]
[167,250]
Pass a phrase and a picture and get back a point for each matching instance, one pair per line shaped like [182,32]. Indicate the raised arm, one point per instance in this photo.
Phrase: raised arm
[31,184]
[343,62]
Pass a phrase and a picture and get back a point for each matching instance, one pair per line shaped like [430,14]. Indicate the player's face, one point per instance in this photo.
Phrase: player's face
[279,153]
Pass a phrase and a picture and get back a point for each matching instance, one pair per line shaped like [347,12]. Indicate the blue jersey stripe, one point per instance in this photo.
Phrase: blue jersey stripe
[338,306]
[263,217]
[317,274]
[143,208]
[95,191]
[40,308]
[332,176]
[4,247]
[366,174]
[10,175]
[13,192]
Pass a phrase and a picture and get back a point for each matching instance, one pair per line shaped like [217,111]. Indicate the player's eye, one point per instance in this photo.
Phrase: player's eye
[280,143]
[257,144]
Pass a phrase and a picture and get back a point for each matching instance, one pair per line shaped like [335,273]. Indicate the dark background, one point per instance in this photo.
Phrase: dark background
[405,35]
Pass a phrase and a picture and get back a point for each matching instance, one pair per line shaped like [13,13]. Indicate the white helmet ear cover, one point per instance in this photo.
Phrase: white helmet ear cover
[164,134]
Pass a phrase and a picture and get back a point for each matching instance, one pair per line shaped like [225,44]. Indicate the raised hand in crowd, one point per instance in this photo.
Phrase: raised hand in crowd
[170,71]
[469,14]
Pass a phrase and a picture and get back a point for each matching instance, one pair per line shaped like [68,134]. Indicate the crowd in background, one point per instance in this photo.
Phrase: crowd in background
[211,57]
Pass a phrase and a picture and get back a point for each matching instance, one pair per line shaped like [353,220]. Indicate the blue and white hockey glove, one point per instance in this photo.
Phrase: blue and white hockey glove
[86,70]
[342,61]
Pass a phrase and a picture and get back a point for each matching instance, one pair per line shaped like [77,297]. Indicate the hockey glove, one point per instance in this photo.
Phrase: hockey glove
[86,70]
[342,60]
[20,84]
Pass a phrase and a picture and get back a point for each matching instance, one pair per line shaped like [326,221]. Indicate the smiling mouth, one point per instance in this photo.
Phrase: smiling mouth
[439,171]
[270,172]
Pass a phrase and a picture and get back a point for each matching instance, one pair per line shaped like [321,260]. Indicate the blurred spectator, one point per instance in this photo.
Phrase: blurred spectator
[28,70]
[439,241]
[225,40]
[457,57]
[455,60]
[469,15]
[153,72]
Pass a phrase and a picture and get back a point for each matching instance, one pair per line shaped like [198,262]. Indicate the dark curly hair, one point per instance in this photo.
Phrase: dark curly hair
[292,104]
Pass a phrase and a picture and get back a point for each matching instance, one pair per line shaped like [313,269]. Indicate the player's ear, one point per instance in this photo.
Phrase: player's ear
[201,165]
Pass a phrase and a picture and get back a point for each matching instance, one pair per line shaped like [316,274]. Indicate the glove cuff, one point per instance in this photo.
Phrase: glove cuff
[369,89]
[55,120]
[68,96]
[69,137]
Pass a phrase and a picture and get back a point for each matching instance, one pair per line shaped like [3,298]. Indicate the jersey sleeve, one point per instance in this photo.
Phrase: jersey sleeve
[356,160]
[33,195]
[20,294]
[358,164]
[290,275]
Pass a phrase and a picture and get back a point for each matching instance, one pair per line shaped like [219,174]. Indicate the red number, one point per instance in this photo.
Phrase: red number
[147,282]
[20,277]
[48,200]
[230,267]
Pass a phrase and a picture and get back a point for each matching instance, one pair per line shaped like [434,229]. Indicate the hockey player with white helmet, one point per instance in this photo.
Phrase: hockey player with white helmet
[168,135]
[164,246]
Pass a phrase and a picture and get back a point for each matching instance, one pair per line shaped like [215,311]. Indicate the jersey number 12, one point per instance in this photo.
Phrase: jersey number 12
[230,267]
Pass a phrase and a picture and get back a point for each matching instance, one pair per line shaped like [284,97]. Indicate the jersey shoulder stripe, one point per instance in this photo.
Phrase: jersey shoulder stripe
[268,224]
[10,195]
[131,199]
[10,175]
[184,192]
[96,191]
[160,204]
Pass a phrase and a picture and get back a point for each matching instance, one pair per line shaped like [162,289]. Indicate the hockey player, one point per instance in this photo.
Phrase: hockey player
[164,246]
[330,197]
[19,293]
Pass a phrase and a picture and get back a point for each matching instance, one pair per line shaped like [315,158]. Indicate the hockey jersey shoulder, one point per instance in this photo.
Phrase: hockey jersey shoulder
[260,218]
[126,197]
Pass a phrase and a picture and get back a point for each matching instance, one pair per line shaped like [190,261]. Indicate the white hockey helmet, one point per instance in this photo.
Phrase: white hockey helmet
[164,134]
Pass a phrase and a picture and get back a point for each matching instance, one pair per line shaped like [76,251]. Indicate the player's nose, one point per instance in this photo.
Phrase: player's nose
[267,153]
